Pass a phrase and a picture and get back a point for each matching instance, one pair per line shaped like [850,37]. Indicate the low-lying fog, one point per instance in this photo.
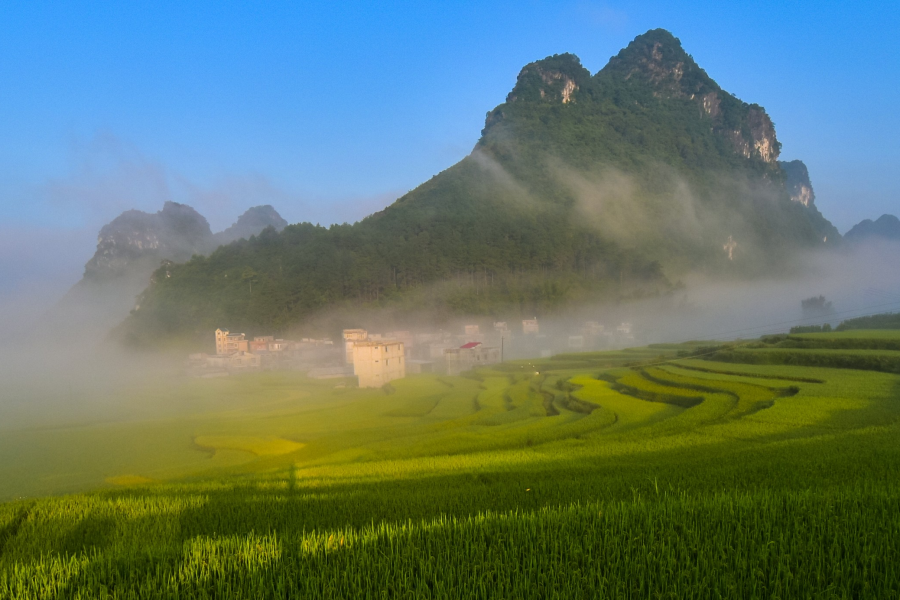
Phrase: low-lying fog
[67,373]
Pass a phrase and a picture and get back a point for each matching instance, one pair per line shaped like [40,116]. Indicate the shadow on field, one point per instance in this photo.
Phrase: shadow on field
[132,535]
[88,535]
[11,529]
[285,502]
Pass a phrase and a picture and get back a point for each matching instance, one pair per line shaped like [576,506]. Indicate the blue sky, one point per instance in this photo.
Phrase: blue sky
[331,110]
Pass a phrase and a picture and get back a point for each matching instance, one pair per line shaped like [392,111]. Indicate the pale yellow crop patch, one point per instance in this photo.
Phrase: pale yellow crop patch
[260,446]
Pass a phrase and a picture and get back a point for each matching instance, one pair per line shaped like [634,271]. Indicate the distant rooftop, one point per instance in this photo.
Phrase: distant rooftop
[377,342]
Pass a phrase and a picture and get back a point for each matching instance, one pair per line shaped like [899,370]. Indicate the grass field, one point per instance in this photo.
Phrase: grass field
[853,334]
[627,474]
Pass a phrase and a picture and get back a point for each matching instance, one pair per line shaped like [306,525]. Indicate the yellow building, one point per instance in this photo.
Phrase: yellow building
[351,336]
[229,343]
[376,362]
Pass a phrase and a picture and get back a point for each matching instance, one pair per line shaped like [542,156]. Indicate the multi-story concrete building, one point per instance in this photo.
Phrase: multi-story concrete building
[470,356]
[278,345]
[259,345]
[376,362]
[229,343]
[351,336]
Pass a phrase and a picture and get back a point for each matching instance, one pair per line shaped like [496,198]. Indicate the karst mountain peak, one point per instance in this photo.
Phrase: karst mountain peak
[655,73]
[581,186]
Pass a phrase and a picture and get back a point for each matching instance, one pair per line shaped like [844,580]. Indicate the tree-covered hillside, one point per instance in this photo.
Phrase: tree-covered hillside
[581,186]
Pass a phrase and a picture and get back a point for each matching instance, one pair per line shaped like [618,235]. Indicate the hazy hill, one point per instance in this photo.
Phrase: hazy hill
[130,248]
[176,233]
[581,186]
[136,238]
[254,220]
[886,227]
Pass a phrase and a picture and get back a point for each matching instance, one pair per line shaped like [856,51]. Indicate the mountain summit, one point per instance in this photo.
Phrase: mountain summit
[251,223]
[174,233]
[581,186]
[656,61]
[651,73]
[136,239]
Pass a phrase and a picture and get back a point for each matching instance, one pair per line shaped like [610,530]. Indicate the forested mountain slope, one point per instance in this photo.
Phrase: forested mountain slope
[581,186]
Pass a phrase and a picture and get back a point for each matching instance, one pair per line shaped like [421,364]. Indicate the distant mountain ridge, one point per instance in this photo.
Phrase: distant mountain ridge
[886,227]
[581,187]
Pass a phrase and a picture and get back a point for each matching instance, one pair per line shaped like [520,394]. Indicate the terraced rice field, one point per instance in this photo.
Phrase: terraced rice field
[633,474]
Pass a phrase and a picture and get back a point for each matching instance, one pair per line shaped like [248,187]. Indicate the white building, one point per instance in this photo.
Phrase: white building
[377,362]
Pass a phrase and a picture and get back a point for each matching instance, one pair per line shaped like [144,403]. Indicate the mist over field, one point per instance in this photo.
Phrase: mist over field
[857,281]
[66,379]
[60,367]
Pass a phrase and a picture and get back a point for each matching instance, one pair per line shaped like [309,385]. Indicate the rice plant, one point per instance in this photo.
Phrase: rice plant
[672,480]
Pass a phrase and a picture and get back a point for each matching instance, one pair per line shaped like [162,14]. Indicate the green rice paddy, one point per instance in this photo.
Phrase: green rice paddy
[633,474]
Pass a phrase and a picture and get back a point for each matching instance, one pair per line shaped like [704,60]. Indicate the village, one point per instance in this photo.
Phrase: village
[376,359]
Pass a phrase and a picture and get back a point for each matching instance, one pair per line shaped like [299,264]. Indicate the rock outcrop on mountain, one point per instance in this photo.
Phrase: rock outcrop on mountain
[658,61]
[174,233]
[797,181]
[581,187]
[655,115]
[653,70]
[800,189]
[885,227]
[134,240]
[131,247]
